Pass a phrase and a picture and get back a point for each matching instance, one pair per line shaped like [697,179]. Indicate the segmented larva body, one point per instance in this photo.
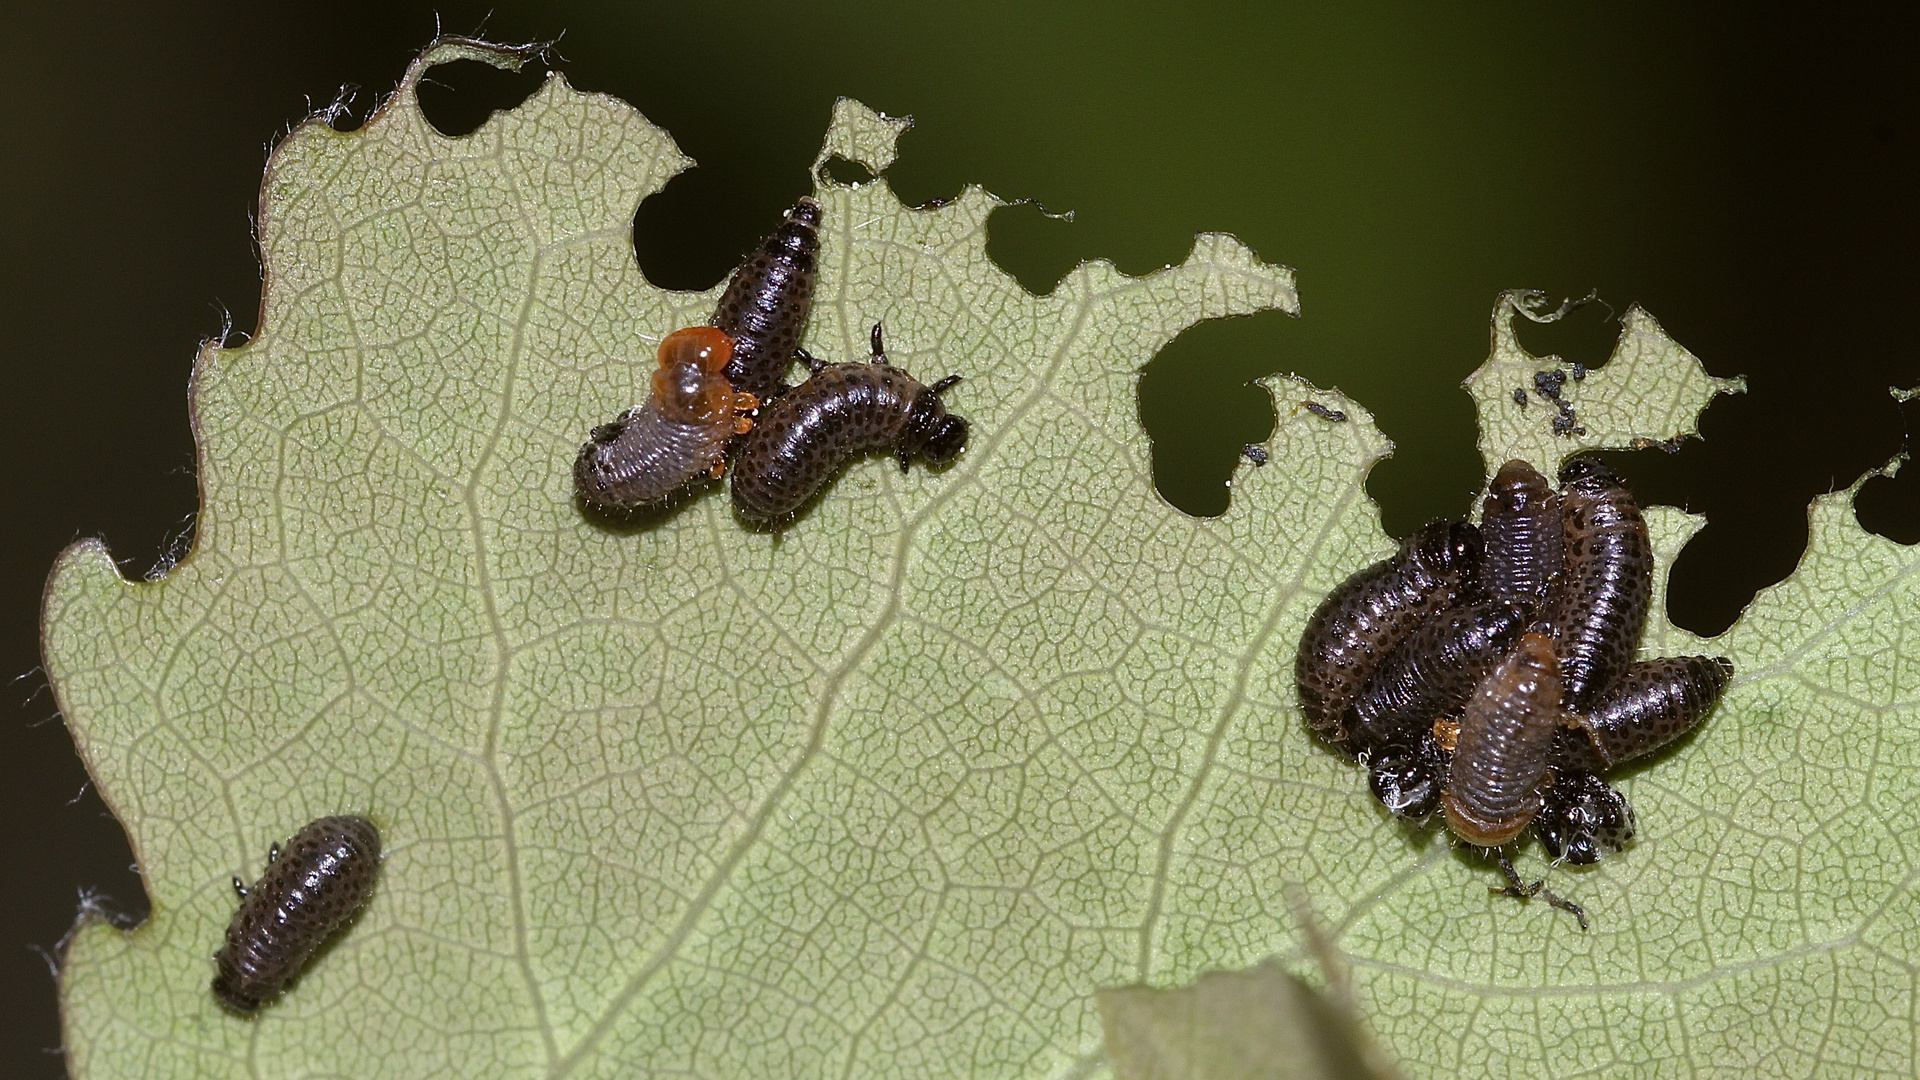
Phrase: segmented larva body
[1652,704]
[1369,614]
[1431,673]
[678,435]
[804,437]
[1581,817]
[311,888]
[1599,608]
[765,306]
[1521,526]
[1500,758]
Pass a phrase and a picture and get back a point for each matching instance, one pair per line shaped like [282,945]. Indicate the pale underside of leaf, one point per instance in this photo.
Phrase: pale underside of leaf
[893,793]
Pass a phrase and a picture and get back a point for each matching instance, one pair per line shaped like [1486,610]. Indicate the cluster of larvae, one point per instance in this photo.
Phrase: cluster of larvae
[312,888]
[721,391]
[1491,672]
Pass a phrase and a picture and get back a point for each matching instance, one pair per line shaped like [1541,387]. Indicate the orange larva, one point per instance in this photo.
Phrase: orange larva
[677,436]
[1369,614]
[804,437]
[1501,755]
[311,888]
[766,303]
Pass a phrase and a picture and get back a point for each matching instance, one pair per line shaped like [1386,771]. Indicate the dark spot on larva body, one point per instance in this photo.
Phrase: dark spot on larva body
[1408,780]
[765,306]
[804,437]
[1599,608]
[1431,673]
[1653,703]
[677,436]
[1324,413]
[1369,614]
[311,888]
[1500,761]
[1582,817]
[1521,526]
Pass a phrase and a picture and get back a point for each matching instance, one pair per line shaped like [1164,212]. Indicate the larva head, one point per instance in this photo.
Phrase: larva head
[1408,781]
[1446,547]
[799,234]
[691,386]
[1581,818]
[933,432]
[1518,486]
[1586,473]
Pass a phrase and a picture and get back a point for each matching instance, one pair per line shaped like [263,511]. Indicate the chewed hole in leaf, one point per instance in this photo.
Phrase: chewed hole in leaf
[1200,406]
[458,96]
[840,170]
[1036,247]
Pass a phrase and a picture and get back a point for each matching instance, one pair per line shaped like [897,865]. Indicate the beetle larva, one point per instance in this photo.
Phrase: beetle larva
[765,306]
[1599,608]
[1370,613]
[1520,524]
[678,435]
[1652,704]
[1581,817]
[312,887]
[842,410]
[1501,755]
[1431,673]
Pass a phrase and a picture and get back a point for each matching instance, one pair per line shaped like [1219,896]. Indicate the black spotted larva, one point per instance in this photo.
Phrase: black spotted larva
[1369,614]
[311,888]
[764,308]
[1520,524]
[1500,757]
[1653,703]
[678,435]
[1599,609]
[843,409]
[1431,673]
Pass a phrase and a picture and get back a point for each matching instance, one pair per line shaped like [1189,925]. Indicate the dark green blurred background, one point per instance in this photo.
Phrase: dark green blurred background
[1749,181]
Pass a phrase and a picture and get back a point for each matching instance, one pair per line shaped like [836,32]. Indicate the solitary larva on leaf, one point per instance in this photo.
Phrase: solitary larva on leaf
[804,437]
[764,309]
[311,888]
[677,436]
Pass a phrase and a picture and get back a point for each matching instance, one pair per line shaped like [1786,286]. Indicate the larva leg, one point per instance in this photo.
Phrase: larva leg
[239,888]
[1521,891]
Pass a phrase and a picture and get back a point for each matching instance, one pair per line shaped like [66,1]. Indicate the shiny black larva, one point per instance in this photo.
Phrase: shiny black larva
[1369,614]
[1431,674]
[1653,703]
[1599,609]
[764,308]
[678,435]
[311,888]
[804,437]
[1501,757]
[1521,526]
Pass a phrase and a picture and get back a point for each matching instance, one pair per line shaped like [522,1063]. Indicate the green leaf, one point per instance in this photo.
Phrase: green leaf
[895,792]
